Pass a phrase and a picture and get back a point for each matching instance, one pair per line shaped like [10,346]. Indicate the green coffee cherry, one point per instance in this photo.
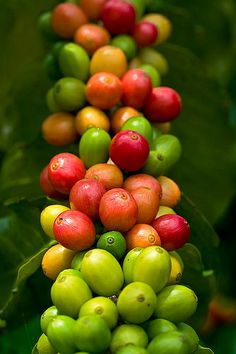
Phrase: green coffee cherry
[127,334]
[92,334]
[74,61]
[69,272]
[129,262]
[141,125]
[169,147]
[51,103]
[57,48]
[154,165]
[172,342]
[176,303]
[190,335]
[127,44]
[153,57]
[44,26]
[51,67]
[103,307]
[158,326]
[153,73]
[94,146]
[69,94]
[136,302]
[153,267]
[97,267]
[69,292]
[51,63]
[165,152]
[48,315]
[60,334]
[132,349]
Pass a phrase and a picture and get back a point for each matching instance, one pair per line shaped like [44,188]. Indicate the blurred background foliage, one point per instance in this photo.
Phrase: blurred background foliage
[201,54]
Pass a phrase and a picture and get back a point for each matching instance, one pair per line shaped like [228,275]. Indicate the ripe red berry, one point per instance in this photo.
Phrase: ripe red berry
[145,34]
[64,170]
[129,150]
[163,105]
[47,187]
[118,210]
[118,16]
[136,87]
[85,196]
[173,230]
[74,230]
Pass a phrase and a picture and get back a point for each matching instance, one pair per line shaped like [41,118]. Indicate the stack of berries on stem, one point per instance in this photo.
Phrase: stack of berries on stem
[115,265]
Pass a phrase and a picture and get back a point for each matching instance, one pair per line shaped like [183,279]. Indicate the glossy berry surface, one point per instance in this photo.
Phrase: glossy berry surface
[163,105]
[145,34]
[118,17]
[129,150]
[65,170]
[137,87]
[74,230]
[173,230]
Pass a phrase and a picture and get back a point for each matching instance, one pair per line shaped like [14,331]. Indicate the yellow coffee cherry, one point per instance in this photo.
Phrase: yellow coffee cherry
[56,259]
[48,215]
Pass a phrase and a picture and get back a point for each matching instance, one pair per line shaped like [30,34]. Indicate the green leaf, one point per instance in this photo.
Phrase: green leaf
[191,256]
[204,171]
[22,247]
[203,350]
[200,258]
[23,81]
[210,34]
[21,167]
[202,234]
[35,349]
[21,339]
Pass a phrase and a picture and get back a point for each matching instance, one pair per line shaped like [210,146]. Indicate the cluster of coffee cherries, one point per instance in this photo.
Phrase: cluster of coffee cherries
[115,265]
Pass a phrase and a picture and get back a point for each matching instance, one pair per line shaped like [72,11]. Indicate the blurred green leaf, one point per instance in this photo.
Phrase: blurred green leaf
[21,339]
[202,350]
[200,258]
[223,339]
[204,172]
[202,235]
[205,27]
[23,81]
[192,256]
[21,167]
[22,247]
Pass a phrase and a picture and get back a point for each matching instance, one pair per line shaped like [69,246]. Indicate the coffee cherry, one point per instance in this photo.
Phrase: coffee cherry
[64,171]
[173,230]
[163,105]
[129,150]
[118,16]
